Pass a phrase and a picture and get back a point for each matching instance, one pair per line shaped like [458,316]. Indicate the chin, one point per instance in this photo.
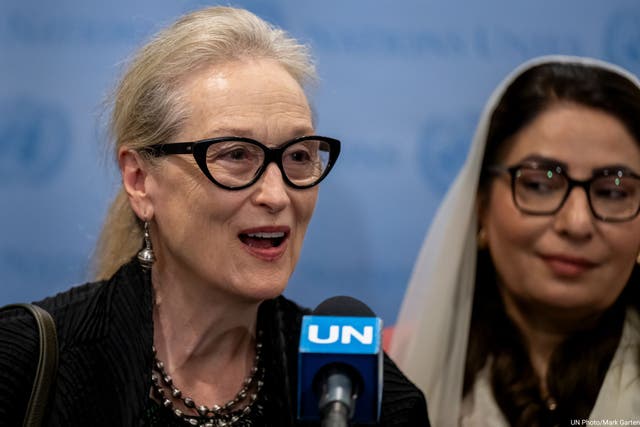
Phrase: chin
[264,290]
[573,301]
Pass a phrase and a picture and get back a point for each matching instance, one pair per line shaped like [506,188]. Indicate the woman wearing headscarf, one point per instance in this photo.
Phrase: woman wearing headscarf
[523,304]
[219,161]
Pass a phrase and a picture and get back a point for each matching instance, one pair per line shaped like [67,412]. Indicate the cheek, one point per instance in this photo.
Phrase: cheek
[623,243]
[511,237]
[503,222]
[187,204]
[305,203]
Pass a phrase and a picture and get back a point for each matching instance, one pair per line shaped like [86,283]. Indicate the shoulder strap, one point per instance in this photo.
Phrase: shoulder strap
[47,364]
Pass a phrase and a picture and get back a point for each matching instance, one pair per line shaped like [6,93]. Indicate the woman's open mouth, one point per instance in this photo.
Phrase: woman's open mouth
[263,240]
[267,243]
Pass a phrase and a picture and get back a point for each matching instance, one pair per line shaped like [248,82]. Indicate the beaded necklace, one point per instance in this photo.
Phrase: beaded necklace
[224,415]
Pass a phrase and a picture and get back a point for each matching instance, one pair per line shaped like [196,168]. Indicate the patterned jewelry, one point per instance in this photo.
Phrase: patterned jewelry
[146,255]
[224,415]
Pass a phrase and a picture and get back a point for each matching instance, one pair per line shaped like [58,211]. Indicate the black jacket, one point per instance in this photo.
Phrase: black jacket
[105,334]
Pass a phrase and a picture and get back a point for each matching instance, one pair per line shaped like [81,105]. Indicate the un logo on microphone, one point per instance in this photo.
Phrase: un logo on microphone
[35,139]
[622,39]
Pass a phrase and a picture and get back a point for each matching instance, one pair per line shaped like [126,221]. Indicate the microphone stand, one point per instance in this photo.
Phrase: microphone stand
[337,402]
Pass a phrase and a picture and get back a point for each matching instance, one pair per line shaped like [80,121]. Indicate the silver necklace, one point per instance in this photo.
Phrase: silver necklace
[224,415]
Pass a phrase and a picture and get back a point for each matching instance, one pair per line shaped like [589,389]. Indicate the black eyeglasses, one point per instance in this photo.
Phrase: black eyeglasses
[539,189]
[235,163]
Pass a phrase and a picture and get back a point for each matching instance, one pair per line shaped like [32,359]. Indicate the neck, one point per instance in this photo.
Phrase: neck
[540,342]
[205,338]
[543,331]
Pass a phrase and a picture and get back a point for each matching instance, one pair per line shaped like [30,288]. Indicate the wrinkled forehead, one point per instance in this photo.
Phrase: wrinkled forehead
[257,99]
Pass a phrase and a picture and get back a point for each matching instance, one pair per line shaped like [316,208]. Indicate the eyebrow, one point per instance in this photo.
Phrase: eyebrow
[227,131]
[549,161]
[615,167]
[296,132]
[546,161]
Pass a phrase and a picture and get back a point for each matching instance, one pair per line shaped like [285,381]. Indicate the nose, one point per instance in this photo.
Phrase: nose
[271,190]
[575,219]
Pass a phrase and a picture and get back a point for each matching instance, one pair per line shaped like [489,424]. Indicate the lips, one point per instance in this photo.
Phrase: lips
[568,266]
[266,243]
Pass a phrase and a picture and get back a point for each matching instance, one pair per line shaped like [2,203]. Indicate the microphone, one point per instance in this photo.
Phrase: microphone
[340,364]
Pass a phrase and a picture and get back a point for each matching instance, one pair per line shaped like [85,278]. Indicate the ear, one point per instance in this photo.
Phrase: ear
[482,239]
[135,180]
[482,203]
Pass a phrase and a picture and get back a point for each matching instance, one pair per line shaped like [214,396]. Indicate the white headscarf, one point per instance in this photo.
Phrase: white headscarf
[429,342]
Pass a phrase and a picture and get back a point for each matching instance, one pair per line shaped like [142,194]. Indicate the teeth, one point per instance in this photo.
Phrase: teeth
[275,235]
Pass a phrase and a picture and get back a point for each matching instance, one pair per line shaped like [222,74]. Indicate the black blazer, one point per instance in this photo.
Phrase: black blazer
[105,334]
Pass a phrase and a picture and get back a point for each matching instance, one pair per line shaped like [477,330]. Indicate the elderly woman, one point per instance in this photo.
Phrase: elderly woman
[220,164]
[523,306]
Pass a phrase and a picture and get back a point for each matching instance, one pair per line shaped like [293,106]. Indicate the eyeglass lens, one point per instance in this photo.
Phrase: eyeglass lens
[543,190]
[236,163]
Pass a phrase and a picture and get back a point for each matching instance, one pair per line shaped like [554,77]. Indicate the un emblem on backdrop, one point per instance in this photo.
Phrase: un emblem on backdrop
[622,39]
[35,139]
[442,148]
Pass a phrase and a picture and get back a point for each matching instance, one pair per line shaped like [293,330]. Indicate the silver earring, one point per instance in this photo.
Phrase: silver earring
[146,255]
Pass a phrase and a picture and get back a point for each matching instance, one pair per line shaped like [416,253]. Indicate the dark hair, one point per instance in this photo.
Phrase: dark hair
[573,382]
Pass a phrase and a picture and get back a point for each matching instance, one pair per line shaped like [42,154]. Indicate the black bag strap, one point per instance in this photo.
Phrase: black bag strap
[47,364]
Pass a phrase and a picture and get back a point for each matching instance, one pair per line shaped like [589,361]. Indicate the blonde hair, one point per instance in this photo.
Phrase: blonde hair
[147,107]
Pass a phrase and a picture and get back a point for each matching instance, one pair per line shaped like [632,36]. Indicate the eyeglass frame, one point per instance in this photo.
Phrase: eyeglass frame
[271,155]
[571,184]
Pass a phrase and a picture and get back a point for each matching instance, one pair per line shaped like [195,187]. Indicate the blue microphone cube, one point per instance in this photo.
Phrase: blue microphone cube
[352,341]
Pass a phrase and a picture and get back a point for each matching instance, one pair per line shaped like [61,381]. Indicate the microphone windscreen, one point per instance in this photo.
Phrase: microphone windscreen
[345,334]
[343,306]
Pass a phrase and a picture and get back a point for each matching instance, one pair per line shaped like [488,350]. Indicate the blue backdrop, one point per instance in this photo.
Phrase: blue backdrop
[402,84]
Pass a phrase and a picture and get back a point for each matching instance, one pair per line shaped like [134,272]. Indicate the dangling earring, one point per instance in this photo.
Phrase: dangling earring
[481,239]
[146,255]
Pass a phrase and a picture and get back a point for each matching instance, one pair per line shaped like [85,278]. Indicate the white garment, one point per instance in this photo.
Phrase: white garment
[430,338]
[618,398]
